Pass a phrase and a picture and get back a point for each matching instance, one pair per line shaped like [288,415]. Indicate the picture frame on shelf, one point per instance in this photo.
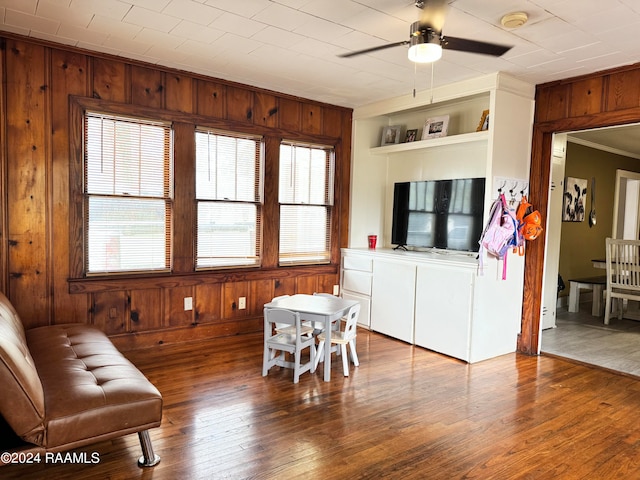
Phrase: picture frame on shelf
[436,127]
[411,135]
[390,135]
[484,121]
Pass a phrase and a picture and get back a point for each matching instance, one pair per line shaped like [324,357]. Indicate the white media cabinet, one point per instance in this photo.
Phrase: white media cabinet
[433,300]
[437,300]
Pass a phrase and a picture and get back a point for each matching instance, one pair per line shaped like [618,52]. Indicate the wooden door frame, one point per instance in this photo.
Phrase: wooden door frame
[605,112]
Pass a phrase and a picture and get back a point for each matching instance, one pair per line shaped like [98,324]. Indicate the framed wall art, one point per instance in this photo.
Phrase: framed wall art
[573,205]
[390,135]
[411,135]
[436,127]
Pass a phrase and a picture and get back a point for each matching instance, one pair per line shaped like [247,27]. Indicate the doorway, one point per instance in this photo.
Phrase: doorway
[599,157]
[602,99]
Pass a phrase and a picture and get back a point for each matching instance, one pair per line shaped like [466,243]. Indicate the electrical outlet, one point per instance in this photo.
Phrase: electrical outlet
[188,303]
[336,290]
[242,303]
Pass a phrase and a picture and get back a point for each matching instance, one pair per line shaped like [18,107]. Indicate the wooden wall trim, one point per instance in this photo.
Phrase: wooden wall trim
[345,184]
[184,209]
[104,284]
[633,67]
[534,259]
[270,230]
[196,331]
[120,108]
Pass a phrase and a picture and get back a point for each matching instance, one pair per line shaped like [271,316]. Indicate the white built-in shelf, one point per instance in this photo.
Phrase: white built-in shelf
[482,136]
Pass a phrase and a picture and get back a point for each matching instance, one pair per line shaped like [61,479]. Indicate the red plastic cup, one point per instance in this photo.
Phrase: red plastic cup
[372,241]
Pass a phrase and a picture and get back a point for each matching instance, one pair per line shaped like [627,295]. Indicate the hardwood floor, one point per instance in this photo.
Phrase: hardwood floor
[405,413]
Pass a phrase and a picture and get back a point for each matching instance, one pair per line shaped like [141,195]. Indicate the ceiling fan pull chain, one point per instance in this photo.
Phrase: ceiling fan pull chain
[432,67]
[415,74]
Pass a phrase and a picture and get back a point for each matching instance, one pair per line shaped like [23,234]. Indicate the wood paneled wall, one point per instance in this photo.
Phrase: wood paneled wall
[602,99]
[38,80]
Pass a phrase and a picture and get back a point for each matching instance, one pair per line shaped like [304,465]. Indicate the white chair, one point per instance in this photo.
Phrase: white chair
[295,343]
[623,274]
[342,339]
[319,326]
[306,328]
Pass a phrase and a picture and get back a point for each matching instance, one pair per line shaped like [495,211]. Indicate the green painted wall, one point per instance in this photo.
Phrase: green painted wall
[580,244]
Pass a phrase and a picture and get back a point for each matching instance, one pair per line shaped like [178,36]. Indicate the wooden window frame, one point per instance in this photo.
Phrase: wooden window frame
[184,125]
[255,201]
[104,187]
[327,203]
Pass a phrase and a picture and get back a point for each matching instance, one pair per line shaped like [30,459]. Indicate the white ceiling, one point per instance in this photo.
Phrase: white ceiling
[622,140]
[291,46]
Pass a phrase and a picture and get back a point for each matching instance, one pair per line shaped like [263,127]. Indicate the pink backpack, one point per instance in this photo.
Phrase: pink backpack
[500,234]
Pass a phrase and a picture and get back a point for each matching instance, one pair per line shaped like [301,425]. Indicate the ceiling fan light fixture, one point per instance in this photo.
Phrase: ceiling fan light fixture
[424,44]
[425,52]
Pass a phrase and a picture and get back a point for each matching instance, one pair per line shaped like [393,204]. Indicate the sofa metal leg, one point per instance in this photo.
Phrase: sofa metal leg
[148,458]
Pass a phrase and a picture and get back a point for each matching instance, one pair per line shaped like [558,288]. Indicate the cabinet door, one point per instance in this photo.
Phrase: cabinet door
[355,281]
[364,319]
[392,299]
[443,310]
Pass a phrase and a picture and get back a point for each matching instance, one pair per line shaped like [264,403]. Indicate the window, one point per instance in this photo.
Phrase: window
[128,194]
[306,200]
[228,197]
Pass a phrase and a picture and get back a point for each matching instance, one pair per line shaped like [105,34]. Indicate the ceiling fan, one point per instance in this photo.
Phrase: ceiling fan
[427,42]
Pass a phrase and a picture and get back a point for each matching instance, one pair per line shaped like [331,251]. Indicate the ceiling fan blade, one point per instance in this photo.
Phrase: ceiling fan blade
[474,46]
[373,49]
[433,13]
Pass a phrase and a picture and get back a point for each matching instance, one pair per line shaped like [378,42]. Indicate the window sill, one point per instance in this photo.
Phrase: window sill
[169,280]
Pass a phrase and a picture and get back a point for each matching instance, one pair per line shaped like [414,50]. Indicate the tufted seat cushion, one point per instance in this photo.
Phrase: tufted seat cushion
[91,391]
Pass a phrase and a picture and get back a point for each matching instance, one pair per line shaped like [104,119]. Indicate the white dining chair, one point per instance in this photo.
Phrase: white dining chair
[294,343]
[623,274]
[340,340]
[319,326]
[305,327]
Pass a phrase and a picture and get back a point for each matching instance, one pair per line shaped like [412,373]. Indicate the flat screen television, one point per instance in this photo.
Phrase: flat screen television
[445,214]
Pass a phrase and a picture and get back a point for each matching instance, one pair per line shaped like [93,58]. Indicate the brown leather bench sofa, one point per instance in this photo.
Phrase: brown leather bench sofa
[67,386]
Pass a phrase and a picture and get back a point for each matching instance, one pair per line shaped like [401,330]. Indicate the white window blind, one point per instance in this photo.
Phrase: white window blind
[228,196]
[306,200]
[128,194]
